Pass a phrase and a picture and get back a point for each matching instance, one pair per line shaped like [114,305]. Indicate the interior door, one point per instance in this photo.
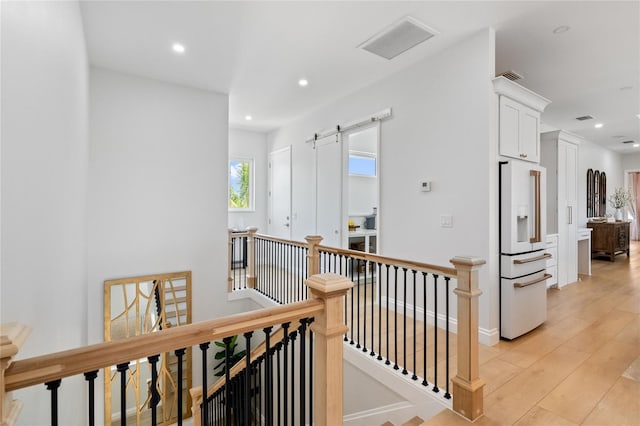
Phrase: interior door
[329,171]
[280,193]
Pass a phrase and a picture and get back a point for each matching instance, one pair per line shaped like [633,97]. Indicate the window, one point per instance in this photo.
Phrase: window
[240,184]
[362,164]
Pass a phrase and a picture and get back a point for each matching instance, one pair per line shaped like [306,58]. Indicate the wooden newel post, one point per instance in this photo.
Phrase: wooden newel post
[467,385]
[251,257]
[313,257]
[329,327]
[230,262]
[12,337]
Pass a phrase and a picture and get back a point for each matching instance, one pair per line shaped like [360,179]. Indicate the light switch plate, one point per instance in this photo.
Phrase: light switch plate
[446,221]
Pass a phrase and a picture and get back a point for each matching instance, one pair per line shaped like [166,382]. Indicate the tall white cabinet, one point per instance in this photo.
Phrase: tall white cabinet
[559,154]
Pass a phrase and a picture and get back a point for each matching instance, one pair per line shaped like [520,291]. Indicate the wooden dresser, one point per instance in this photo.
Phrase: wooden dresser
[609,239]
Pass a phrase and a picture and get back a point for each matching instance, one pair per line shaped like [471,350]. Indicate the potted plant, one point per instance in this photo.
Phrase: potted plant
[618,200]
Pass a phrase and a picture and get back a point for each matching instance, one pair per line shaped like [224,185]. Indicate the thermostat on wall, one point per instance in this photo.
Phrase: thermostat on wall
[425,186]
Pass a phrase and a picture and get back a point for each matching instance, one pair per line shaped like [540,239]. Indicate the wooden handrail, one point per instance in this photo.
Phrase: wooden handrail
[376,258]
[45,368]
[281,240]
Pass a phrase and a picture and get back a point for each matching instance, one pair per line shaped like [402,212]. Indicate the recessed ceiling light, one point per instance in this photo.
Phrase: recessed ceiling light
[303,82]
[248,117]
[638,115]
[561,29]
[178,48]
[636,145]
[598,125]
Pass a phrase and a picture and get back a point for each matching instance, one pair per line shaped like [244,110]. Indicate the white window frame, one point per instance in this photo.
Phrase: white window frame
[252,172]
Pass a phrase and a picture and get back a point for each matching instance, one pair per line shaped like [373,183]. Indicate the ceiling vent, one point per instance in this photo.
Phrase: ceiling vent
[628,141]
[511,75]
[584,118]
[399,37]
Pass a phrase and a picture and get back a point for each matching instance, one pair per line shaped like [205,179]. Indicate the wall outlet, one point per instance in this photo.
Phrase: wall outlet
[425,186]
[446,221]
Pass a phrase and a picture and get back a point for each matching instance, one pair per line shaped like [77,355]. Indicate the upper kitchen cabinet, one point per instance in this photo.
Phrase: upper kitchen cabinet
[519,120]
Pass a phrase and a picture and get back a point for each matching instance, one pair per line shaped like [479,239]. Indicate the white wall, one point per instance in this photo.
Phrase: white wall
[442,130]
[593,156]
[247,144]
[631,161]
[44,187]
[158,190]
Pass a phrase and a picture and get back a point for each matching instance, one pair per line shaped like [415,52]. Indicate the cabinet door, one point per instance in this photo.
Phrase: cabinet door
[509,127]
[529,143]
[519,131]
[567,212]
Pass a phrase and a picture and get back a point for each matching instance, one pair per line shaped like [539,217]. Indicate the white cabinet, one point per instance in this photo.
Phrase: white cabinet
[519,120]
[559,154]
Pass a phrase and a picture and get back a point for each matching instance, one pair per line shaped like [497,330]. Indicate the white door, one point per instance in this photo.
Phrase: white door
[279,224]
[329,170]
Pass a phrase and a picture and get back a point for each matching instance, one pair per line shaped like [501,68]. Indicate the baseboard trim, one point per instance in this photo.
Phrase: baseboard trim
[385,411]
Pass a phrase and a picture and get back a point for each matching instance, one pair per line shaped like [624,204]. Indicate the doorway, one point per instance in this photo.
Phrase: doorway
[362,187]
[279,222]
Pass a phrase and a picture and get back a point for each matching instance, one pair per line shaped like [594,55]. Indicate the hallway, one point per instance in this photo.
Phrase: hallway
[581,367]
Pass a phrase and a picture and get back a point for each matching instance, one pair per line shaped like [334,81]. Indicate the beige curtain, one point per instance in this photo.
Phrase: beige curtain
[634,205]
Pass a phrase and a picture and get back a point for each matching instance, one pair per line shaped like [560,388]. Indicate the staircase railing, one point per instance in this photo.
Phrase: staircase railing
[398,311]
[324,307]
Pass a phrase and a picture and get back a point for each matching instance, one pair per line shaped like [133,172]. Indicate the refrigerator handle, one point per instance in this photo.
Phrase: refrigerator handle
[538,232]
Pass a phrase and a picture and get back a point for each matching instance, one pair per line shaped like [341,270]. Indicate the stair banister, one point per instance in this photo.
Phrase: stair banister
[251,254]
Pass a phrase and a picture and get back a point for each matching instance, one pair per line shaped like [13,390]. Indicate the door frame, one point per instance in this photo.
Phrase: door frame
[345,178]
[270,189]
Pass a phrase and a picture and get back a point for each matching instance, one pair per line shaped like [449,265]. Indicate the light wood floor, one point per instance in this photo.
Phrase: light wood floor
[582,367]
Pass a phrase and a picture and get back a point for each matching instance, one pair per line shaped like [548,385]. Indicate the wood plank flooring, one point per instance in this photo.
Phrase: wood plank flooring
[582,367]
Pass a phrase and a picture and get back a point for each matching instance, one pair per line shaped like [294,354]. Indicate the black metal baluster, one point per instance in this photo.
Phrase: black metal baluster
[404,324]
[205,413]
[358,304]
[373,312]
[395,318]
[353,296]
[260,379]
[447,394]
[424,328]
[294,334]
[285,370]
[247,376]
[364,309]
[303,331]
[306,271]
[231,261]
[53,387]
[415,303]
[90,378]
[123,369]
[378,279]
[278,381]
[180,353]
[227,376]
[435,334]
[155,395]
[387,362]
[268,397]
[311,373]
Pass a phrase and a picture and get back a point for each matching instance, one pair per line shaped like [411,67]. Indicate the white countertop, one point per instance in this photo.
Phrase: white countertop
[359,232]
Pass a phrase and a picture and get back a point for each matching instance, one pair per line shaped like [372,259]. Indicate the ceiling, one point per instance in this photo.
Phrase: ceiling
[257,51]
